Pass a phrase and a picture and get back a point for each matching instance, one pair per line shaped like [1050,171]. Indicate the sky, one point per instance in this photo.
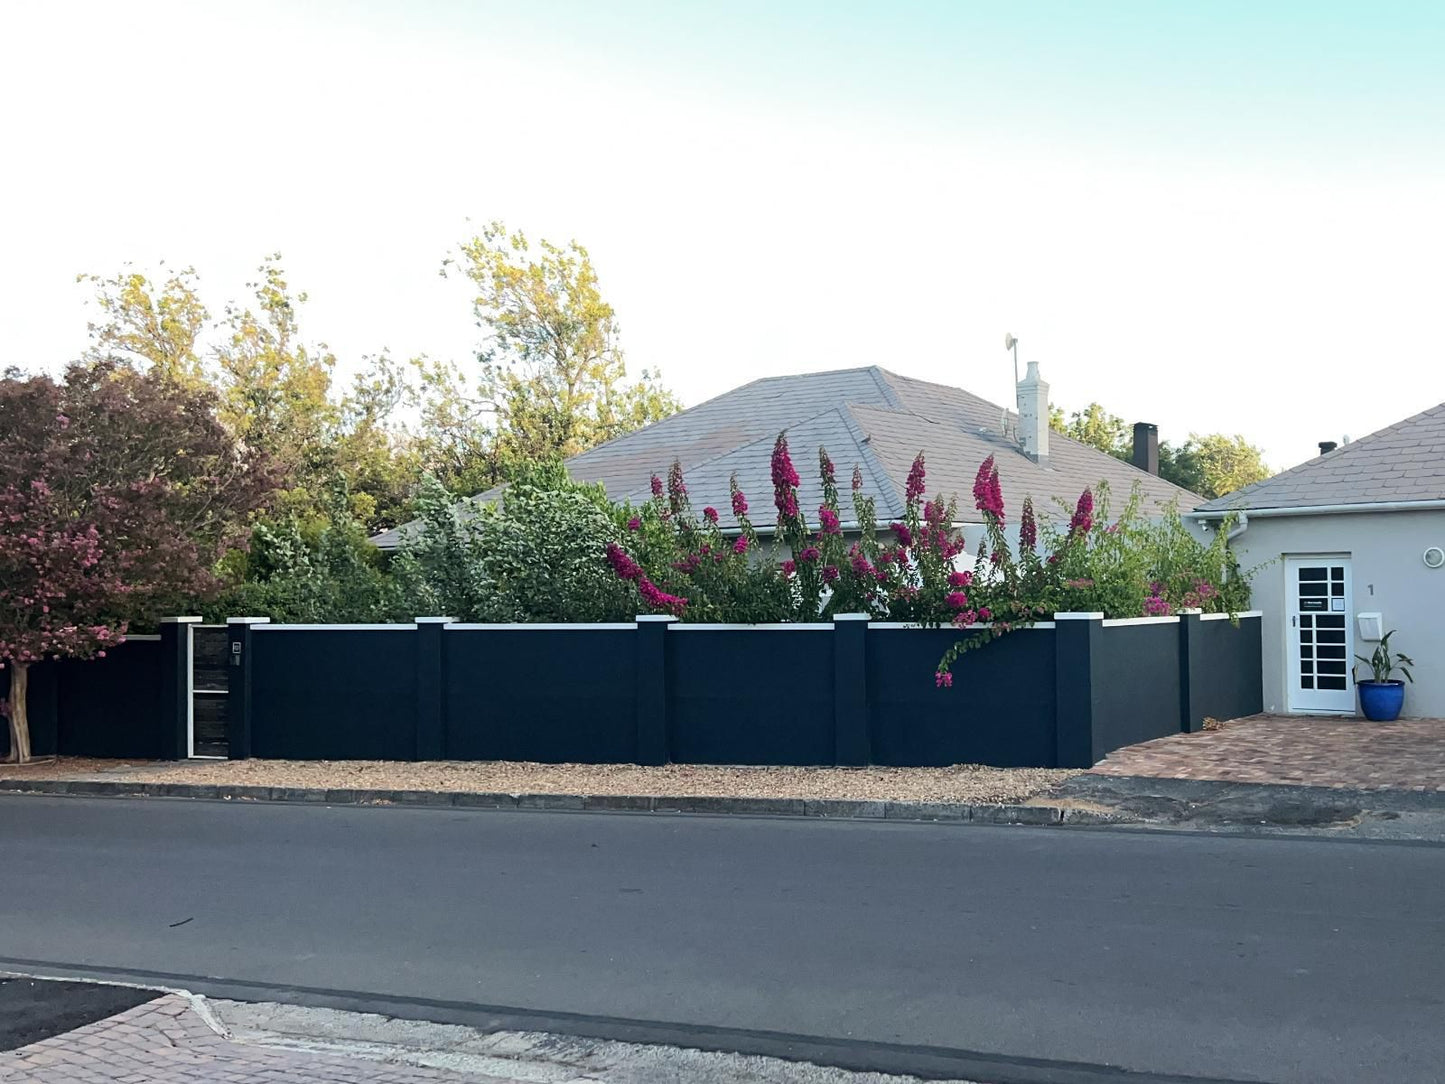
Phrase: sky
[1215,217]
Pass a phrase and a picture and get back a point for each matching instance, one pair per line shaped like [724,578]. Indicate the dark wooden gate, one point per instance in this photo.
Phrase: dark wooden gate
[208,691]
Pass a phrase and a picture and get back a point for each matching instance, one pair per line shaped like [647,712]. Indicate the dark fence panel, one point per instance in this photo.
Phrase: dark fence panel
[1232,683]
[333,694]
[1135,684]
[1000,710]
[750,696]
[553,695]
[106,707]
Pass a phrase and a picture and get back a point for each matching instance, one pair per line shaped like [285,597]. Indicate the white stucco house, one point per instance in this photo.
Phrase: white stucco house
[1352,544]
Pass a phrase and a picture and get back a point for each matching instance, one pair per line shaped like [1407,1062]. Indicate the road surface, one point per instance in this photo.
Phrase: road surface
[1002,954]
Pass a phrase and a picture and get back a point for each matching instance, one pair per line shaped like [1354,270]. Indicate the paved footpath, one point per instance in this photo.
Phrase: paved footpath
[167,1041]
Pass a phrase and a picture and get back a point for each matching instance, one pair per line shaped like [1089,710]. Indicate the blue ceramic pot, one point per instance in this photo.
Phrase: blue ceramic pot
[1381,701]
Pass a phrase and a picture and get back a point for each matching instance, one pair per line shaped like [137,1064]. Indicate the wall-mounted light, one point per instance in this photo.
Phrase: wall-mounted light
[1434,557]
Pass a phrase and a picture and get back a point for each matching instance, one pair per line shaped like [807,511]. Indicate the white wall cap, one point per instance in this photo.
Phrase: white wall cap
[180,620]
[248,620]
[1097,615]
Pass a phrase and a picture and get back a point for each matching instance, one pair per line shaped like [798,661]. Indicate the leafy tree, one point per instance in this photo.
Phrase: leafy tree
[334,576]
[118,491]
[1210,465]
[553,380]
[1213,465]
[275,389]
[159,324]
[540,555]
[1097,428]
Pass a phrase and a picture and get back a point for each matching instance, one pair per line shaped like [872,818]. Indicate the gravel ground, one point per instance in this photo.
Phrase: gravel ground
[969,783]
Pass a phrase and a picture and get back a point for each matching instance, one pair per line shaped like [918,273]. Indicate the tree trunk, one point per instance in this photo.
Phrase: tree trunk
[19,721]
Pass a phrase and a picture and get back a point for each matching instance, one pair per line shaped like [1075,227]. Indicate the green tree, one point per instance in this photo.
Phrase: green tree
[1213,464]
[157,324]
[275,388]
[553,381]
[1097,428]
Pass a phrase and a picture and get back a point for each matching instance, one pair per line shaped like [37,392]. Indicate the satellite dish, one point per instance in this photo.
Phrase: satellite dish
[1009,342]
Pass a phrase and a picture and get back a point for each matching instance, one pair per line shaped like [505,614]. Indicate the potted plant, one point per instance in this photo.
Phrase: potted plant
[1382,697]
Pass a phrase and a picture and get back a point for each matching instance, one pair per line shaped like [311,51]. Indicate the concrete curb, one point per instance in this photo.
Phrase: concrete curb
[600,803]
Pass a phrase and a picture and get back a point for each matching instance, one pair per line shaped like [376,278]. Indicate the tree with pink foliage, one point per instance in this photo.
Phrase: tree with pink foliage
[118,491]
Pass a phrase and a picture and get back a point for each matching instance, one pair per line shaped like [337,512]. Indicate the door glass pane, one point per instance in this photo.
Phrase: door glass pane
[1332,683]
[1306,681]
[1313,574]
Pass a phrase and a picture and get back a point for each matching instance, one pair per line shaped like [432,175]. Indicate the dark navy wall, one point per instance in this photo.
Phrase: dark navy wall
[1231,684]
[1135,685]
[553,695]
[333,694]
[750,696]
[96,707]
[1000,710]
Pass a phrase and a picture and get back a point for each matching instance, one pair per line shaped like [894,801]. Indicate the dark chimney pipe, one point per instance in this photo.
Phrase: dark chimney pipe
[1146,447]
[1327,446]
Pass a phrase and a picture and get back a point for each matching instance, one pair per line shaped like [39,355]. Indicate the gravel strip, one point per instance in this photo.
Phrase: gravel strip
[963,783]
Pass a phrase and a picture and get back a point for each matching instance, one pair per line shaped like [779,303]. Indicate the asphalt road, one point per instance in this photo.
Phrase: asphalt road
[1015,953]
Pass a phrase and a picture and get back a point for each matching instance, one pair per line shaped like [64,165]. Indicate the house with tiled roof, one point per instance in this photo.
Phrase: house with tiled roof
[1349,545]
[878,421]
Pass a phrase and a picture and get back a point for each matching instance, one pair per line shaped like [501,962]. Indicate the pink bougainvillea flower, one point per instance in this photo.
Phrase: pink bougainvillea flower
[740,503]
[1083,518]
[828,520]
[808,555]
[825,467]
[914,487]
[789,568]
[656,486]
[634,524]
[984,613]
[710,514]
[943,679]
[785,480]
[987,493]
[857,479]
[1028,528]
[903,534]
[830,573]
[956,600]
[741,544]
[960,579]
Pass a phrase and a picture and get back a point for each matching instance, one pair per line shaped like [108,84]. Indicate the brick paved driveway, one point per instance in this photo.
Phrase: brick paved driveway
[1305,750]
[167,1042]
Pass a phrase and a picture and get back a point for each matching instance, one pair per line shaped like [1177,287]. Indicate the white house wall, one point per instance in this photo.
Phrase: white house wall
[1390,577]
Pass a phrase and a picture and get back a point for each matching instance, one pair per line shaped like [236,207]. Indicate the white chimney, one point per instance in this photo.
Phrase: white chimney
[1034,415]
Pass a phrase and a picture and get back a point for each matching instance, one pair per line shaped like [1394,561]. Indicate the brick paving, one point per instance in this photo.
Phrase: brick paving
[167,1042]
[1304,750]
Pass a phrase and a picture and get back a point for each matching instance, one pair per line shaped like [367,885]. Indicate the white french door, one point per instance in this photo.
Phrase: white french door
[1321,638]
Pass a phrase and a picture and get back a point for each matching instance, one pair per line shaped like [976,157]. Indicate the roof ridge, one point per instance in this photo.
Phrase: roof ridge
[1335,455]
[883,482]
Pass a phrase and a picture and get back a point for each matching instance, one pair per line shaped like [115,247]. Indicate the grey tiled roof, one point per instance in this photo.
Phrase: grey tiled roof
[870,417]
[1403,462]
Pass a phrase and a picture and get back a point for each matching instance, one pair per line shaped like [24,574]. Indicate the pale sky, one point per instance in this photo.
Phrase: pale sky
[1223,216]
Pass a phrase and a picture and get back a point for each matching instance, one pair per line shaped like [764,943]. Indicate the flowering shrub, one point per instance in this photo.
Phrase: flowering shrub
[1130,567]
[559,551]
